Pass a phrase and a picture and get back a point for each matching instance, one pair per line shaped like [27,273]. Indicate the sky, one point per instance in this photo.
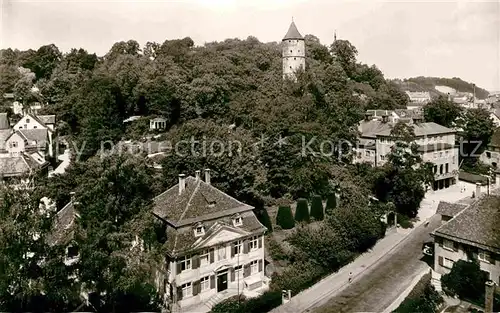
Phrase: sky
[402,38]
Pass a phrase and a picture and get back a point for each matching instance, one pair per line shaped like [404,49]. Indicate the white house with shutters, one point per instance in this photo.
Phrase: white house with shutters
[215,246]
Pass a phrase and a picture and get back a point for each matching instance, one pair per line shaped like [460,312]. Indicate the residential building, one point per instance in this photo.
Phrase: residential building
[471,234]
[419,96]
[495,116]
[436,145]
[491,155]
[448,210]
[36,130]
[293,52]
[215,245]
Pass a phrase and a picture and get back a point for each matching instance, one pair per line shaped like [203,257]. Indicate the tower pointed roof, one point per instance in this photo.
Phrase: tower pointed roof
[293,32]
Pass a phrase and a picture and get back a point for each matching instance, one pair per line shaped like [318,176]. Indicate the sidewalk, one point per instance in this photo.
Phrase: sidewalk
[335,282]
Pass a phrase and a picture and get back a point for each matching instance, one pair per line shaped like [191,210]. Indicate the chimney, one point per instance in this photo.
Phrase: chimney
[385,118]
[182,183]
[478,190]
[197,175]
[207,176]
[449,97]
[489,295]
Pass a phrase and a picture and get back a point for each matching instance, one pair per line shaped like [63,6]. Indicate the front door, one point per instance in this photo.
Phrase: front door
[222,282]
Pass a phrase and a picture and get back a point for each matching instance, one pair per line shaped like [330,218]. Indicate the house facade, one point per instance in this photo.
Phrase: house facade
[471,234]
[436,145]
[215,245]
[491,155]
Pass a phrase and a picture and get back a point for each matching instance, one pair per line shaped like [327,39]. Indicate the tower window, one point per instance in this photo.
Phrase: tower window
[290,67]
[295,58]
[289,41]
[290,51]
[299,50]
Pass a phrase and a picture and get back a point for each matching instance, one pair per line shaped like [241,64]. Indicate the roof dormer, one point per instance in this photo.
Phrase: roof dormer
[237,220]
[199,229]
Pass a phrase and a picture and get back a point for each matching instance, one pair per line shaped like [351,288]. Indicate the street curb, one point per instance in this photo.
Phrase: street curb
[407,291]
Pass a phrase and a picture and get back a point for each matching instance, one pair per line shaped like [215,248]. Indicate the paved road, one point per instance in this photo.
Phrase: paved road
[378,287]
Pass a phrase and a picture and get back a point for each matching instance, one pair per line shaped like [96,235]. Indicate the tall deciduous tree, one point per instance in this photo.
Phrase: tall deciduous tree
[442,111]
[478,128]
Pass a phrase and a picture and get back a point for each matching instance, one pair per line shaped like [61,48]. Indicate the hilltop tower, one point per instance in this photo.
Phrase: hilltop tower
[294,52]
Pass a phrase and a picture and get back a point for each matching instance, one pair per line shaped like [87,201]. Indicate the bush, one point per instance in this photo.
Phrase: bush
[264,303]
[264,218]
[331,204]
[302,211]
[229,305]
[423,298]
[466,280]
[404,221]
[317,208]
[284,218]
[275,250]
[297,277]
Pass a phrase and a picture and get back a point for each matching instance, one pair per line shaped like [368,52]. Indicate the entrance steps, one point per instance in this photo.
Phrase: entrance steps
[220,296]
[436,281]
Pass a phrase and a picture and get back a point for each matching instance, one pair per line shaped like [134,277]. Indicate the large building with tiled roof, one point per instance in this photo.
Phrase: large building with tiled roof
[436,145]
[215,244]
[293,52]
[471,234]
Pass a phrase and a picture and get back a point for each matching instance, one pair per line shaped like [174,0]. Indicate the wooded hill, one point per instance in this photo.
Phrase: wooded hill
[429,84]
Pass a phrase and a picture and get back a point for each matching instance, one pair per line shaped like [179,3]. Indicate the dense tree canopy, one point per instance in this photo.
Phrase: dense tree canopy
[442,111]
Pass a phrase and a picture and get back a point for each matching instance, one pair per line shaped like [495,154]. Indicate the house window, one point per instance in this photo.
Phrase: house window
[199,231]
[254,267]
[448,263]
[435,155]
[237,247]
[294,59]
[34,126]
[367,153]
[222,253]
[254,243]
[483,256]
[441,169]
[440,154]
[205,283]
[382,157]
[448,244]
[27,121]
[13,144]
[186,290]
[435,169]
[237,221]
[238,270]
[488,154]
[204,258]
[446,169]
[185,263]
[290,51]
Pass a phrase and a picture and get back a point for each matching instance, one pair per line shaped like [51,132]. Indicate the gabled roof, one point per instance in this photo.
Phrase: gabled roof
[192,205]
[449,209]
[38,135]
[476,225]
[375,128]
[18,165]
[47,119]
[4,121]
[4,134]
[61,229]
[292,33]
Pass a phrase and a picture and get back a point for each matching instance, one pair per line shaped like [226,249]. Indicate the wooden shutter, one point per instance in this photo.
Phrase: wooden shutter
[491,259]
[260,265]
[440,261]
[260,241]
[196,261]
[212,251]
[196,287]
[233,276]
[245,246]
[232,250]
[246,270]
[179,293]
[178,267]
[212,282]
[455,246]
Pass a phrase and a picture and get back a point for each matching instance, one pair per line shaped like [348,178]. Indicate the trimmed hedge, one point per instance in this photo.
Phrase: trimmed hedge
[331,204]
[264,303]
[284,218]
[317,208]
[302,211]
[264,218]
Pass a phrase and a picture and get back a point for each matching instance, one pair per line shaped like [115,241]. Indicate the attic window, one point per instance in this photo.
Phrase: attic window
[237,221]
[27,120]
[34,126]
[211,204]
[199,230]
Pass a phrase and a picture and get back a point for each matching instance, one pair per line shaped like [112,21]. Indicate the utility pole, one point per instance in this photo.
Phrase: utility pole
[239,272]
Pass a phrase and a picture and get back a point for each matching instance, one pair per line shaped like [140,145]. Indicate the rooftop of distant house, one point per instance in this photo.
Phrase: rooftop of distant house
[495,139]
[19,165]
[374,128]
[449,209]
[476,225]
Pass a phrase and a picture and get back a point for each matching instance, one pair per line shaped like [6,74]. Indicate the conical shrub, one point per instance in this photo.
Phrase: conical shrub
[331,204]
[284,218]
[302,211]
[317,208]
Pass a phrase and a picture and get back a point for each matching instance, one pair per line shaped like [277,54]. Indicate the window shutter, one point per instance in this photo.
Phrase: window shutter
[491,259]
[455,246]
[196,261]
[196,287]
[246,270]
[440,261]
[212,282]
[260,241]
[245,246]
[179,293]
[212,255]
[232,250]
[178,267]
[260,265]
[233,276]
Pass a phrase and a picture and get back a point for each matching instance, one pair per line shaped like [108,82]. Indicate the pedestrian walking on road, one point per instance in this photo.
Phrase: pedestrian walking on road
[350,277]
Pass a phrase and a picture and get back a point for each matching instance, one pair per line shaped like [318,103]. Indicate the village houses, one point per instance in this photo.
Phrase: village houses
[436,145]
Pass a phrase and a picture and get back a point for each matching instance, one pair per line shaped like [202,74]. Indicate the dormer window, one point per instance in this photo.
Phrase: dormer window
[27,120]
[199,230]
[237,221]
[211,204]
[72,252]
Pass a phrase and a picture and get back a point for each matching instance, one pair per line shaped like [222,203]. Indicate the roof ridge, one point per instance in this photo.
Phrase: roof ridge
[467,206]
[189,201]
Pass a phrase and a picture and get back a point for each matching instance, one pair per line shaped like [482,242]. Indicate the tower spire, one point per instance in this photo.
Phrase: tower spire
[335,35]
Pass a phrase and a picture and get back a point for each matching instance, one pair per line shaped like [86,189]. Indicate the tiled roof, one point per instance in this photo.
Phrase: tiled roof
[408,113]
[47,119]
[434,147]
[421,129]
[61,229]
[449,209]
[18,165]
[158,119]
[193,204]
[183,239]
[4,134]
[38,135]
[292,33]
[477,225]
[4,121]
